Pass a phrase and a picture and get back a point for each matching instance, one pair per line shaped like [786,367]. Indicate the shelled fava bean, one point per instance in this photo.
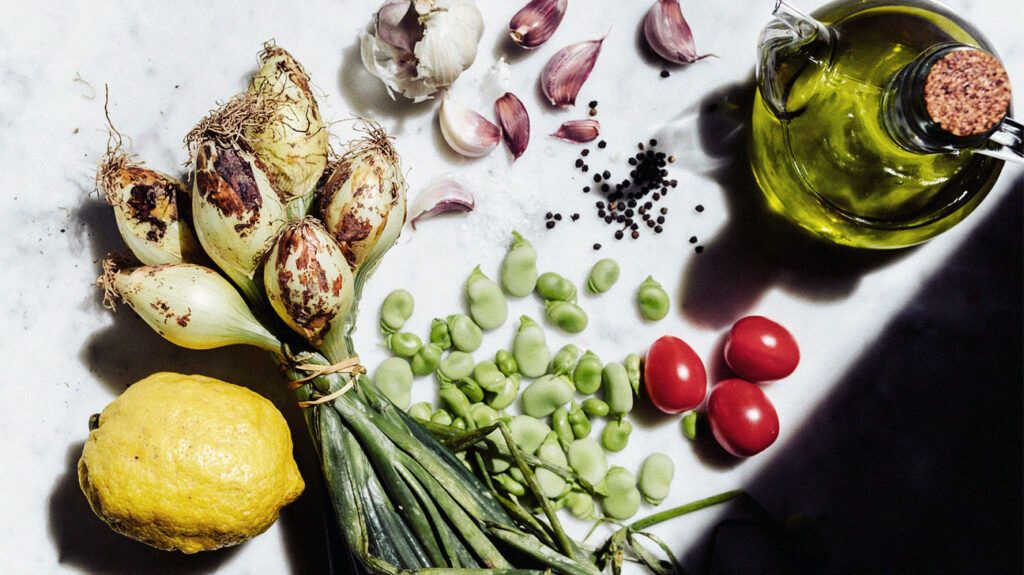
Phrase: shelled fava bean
[455,366]
[519,268]
[550,483]
[562,428]
[615,434]
[404,344]
[578,421]
[566,315]
[395,310]
[426,359]
[393,378]
[618,394]
[621,498]
[595,407]
[603,276]
[587,459]
[580,504]
[655,479]
[564,360]
[546,394]
[530,348]
[587,374]
[439,335]
[506,362]
[487,304]
[652,299]
[506,394]
[488,376]
[464,332]
[632,365]
[552,286]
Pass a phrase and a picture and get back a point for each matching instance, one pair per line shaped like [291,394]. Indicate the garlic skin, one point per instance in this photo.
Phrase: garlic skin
[189,305]
[444,194]
[308,281]
[668,33]
[536,22]
[293,144]
[151,210]
[235,209]
[448,34]
[467,132]
[515,123]
[578,131]
[567,70]
[362,200]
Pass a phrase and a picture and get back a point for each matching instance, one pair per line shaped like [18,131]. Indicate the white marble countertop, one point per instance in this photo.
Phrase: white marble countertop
[166,65]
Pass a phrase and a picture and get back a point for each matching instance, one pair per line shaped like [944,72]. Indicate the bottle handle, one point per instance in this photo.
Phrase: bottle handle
[1009,136]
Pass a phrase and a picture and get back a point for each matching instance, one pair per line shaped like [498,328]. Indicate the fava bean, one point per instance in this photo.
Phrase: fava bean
[439,335]
[587,375]
[578,421]
[564,360]
[487,304]
[426,359]
[652,299]
[483,415]
[519,268]
[632,365]
[603,276]
[487,375]
[506,394]
[530,349]
[655,479]
[546,394]
[441,417]
[459,423]
[393,378]
[455,366]
[551,484]
[581,505]
[404,344]
[454,400]
[552,286]
[587,459]
[509,485]
[465,333]
[506,362]
[615,434]
[474,393]
[690,422]
[421,411]
[566,315]
[527,433]
[617,392]
[594,407]
[621,497]
[395,310]
[563,430]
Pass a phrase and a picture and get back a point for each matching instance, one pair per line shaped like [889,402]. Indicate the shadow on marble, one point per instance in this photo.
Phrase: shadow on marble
[757,249]
[913,463]
[367,96]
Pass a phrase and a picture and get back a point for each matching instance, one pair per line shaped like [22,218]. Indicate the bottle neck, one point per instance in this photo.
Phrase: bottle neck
[909,108]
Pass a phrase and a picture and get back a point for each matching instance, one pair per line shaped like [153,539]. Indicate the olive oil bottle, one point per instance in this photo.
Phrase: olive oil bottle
[878,124]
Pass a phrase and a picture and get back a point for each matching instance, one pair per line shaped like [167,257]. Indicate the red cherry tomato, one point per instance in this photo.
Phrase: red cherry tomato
[674,375]
[743,420]
[758,349]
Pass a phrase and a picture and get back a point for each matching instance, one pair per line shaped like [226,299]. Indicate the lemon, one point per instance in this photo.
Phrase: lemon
[189,463]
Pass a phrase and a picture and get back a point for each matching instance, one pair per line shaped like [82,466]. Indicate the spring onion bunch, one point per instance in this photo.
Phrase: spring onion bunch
[403,500]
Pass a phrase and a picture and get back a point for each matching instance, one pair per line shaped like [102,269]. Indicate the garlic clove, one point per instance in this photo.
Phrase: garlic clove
[467,132]
[441,196]
[578,131]
[398,24]
[669,35]
[567,70]
[515,123]
[535,23]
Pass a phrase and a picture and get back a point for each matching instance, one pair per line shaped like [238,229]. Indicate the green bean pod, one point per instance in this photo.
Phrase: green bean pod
[655,480]
[465,333]
[615,434]
[395,310]
[519,268]
[566,315]
[595,407]
[617,392]
[455,366]
[404,344]
[426,359]
[546,394]
[505,395]
[506,362]
[587,375]
[564,360]
[393,378]
[530,349]
[652,299]
[603,276]
[578,421]
[439,335]
[487,304]
[632,365]
[552,286]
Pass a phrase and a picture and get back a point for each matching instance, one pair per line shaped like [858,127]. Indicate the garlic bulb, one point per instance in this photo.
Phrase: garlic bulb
[467,132]
[236,211]
[293,145]
[362,201]
[189,305]
[151,210]
[308,281]
[443,35]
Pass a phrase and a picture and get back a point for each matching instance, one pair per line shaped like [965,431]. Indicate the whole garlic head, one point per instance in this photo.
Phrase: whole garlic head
[443,36]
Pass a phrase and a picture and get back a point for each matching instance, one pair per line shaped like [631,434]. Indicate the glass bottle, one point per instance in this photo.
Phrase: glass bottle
[878,124]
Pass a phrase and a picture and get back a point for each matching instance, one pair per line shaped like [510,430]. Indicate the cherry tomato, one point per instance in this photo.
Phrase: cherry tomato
[674,375]
[743,420]
[758,349]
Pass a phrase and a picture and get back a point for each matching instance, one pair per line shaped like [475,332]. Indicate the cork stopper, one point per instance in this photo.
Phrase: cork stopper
[967,92]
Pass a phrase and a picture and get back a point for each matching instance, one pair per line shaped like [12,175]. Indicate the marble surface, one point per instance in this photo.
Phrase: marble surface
[859,449]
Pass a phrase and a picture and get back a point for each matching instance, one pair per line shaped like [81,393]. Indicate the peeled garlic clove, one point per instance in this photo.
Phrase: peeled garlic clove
[669,35]
[536,22]
[362,200]
[151,210]
[441,196]
[578,131]
[567,70]
[189,305]
[467,132]
[515,123]
[235,208]
[308,280]
[398,24]
[292,141]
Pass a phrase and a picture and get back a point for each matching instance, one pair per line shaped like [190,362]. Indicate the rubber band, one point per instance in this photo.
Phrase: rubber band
[350,365]
[351,383]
